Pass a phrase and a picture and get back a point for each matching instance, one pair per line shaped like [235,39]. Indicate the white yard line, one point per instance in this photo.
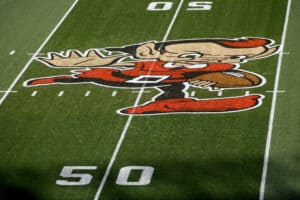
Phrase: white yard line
[278,91]
[36,53]
[128,122]
[4,91]
[271,119]
[285,53]
[145,91]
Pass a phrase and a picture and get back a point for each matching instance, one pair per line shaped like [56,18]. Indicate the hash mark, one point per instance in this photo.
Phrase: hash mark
[276,91]
[285,53]
[87,93]
[193,93]
[12,52]
[220,93]
[34,93]
[140,91]
[114,93]
[247,93]
[32,54]
[4,91]
[61,93]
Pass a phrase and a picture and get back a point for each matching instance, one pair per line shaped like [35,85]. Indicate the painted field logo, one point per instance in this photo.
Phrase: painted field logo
[170,67]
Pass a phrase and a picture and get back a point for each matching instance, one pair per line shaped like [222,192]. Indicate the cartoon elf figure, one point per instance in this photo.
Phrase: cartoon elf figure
[171,67]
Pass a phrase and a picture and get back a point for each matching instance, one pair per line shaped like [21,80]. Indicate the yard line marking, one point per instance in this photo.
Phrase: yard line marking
[271,119]
[37,52]
[145,91]
[173,21]
[285,53]
[129,119]
[247,93]
[276,91]
[61,93]
[114,93]
[4,91]
[193,93]
[12,52]
[220,93]
[87,93]
[40,54]
[34,93]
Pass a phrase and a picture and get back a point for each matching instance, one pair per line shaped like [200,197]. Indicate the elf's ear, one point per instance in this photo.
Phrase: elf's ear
[147,51]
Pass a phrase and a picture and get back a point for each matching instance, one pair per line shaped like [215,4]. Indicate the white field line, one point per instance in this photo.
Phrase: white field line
[33,94]
[36,53]
[4,91]
[145,91]
[128,122]
[61,93]
[220,93]
[271,119]
[278,91]
[285,53]
[193,93]
[114,93]
[87,93]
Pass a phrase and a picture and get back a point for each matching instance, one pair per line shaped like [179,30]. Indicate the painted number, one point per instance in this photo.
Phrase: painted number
[72,179]
[159,6]
[68,172]
[194,5]
[145,176]
[200,5]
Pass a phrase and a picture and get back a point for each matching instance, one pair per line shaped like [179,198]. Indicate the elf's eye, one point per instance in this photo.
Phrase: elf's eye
[191,55]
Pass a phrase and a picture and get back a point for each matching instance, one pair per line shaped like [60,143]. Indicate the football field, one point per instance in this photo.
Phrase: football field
[149,100]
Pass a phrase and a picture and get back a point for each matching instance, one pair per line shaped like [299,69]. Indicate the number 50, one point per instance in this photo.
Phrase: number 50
[194,5]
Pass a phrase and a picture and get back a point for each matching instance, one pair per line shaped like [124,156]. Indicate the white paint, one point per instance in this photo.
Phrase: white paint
[61,93]
[159,6]
[220,93]
[193,93]
[12,52]
[145,79]
[173,20]
[4,91]
[36,53]
[247,93]
[276,91]
[200,5]
[127,124]
[144,179]
[285,53]
[271,119]
[40,54]
[114,93]
[67,172]
[87,93]
[33,94]
[145,91]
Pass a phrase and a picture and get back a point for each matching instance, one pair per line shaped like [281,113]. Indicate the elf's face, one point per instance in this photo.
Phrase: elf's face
[191,53]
